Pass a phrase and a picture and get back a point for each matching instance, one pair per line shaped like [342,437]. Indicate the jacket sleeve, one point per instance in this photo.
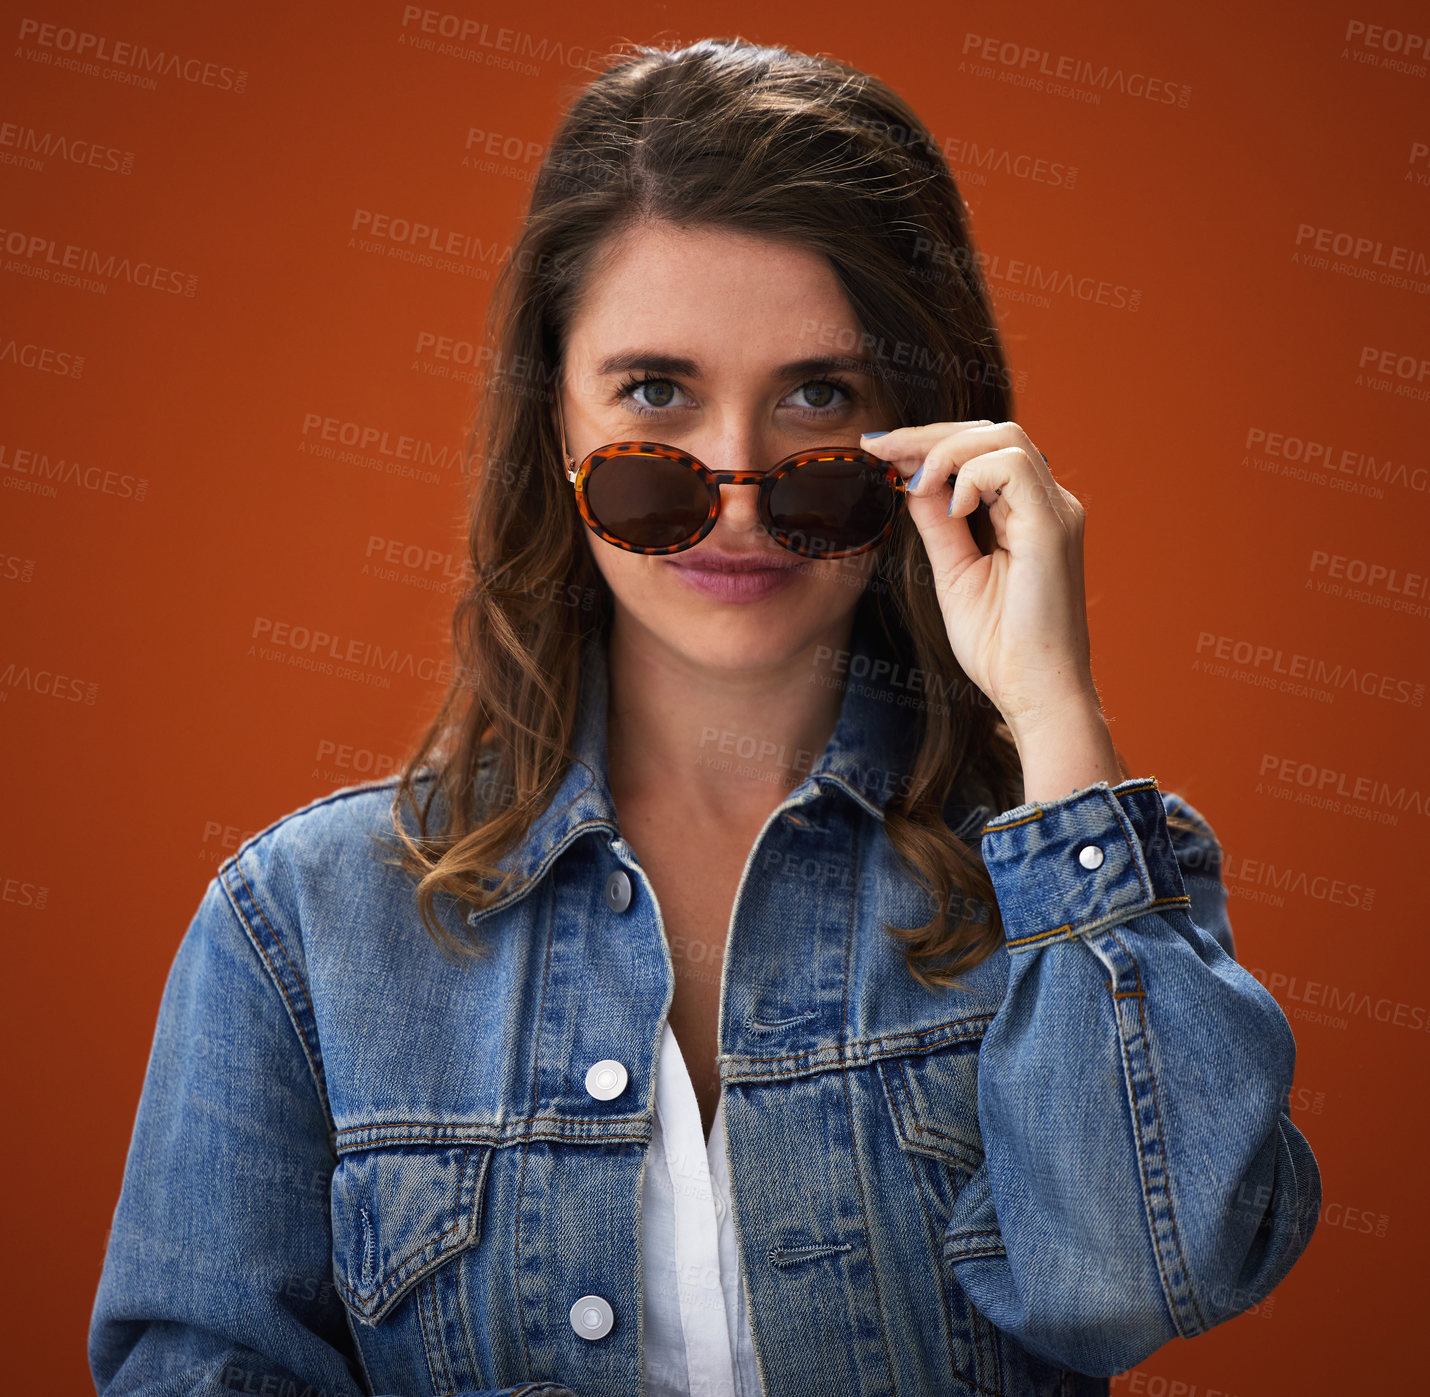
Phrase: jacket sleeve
[218,1270]
[1141,1181]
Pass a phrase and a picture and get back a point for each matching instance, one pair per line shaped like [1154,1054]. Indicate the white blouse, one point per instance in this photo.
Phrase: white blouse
[697,1332]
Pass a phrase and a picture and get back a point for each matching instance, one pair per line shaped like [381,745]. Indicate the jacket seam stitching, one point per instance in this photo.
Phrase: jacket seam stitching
[1148,785]
[278,941]
[526,1144]
[1070,929]
[1162,1138]
[1172,1305]
[853,1133]
[431,1341]
[293,1016]
[945,1280]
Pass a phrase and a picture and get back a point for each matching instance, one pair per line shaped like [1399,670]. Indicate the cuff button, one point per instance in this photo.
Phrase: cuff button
[1090,856]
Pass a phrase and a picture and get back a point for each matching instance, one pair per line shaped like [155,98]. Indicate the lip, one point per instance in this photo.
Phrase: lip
[735,577]
[697,561]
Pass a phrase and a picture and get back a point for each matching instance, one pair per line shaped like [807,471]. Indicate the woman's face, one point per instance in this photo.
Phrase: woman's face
[745,315]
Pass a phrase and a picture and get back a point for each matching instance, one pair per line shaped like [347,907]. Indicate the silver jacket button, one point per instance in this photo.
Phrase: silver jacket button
[605,1080]
[618,890]
[591,1317]
[1090,857]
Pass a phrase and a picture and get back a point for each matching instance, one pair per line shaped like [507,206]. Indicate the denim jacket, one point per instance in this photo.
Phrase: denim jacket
[359,1165]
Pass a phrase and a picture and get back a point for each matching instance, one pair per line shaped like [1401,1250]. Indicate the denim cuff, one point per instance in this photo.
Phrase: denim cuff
[1082,863]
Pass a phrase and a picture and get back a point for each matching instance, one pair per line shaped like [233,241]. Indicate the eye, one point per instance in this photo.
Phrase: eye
[820,396]
[660,393]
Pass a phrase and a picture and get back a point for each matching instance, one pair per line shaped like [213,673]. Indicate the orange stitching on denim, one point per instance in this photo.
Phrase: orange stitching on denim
[1148,785]
[1041,935]
[778,1067]
[516,1253]
[983,1363]
[914,1034]
[1166,1154]
[920,1127]
[987,1335]
[432,1340]
[526,1145]
[484,1144]
[844,1062]
[257,942]
[477,1224]
[448,1125]
[1180,898]
[277,940]
[944,1281]
[854,1135]
[437,1330]
[1137,1132]
[942,1135]
[933,1238]
[1137,1136]
[1012,824]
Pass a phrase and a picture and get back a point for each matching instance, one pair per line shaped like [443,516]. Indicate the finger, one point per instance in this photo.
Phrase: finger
[1014,489]
[953,453]
[913,443]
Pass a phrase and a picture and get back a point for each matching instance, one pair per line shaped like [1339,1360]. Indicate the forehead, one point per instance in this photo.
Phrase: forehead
[713,294]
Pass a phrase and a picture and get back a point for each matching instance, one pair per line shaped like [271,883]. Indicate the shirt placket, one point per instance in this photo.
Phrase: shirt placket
[697,1253]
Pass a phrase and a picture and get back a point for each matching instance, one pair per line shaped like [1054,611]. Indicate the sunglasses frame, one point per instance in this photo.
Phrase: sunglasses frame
[712,479]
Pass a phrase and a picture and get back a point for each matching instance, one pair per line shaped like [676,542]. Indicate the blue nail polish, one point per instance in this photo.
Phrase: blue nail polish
[884,433]
[950,506]
[914,479]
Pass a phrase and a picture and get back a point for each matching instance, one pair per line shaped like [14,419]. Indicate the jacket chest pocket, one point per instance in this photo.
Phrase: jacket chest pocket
[401,1215]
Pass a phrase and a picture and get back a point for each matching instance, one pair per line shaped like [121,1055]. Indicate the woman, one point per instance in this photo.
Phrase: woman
[788,838]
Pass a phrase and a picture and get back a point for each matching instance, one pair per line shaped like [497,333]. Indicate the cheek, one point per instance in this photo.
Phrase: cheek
[840,576]
[628,575]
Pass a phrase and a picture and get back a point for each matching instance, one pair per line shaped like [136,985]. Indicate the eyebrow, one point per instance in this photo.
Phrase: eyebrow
[678,365]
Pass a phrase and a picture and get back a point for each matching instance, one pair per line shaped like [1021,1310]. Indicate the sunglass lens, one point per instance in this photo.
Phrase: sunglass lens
[831,505]
[647,500]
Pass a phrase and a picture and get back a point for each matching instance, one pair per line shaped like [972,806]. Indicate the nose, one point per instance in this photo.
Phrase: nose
[739,510]
[740,450]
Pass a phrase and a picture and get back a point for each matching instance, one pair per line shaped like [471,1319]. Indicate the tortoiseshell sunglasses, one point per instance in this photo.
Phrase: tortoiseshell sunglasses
[646,497]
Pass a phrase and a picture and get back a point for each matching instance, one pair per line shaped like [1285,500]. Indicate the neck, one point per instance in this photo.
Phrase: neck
[718,745]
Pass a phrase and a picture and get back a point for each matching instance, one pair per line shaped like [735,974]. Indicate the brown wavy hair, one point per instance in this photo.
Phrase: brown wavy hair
[730,135]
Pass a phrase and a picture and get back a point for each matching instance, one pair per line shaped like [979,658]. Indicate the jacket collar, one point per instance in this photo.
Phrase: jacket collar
[866,759]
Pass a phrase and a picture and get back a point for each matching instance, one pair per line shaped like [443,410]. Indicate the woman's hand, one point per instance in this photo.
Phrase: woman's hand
[1016,617]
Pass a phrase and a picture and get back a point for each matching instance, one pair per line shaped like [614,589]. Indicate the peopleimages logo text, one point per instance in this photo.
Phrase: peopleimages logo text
[81,45]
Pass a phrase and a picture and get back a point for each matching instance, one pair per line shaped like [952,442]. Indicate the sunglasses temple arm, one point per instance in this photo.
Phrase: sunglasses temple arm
[568,465]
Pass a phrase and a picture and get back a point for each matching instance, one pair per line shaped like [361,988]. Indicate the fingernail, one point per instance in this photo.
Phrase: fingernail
[914,479]
[884,433]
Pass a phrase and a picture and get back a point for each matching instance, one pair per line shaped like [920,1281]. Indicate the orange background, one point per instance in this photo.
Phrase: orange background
[151,723]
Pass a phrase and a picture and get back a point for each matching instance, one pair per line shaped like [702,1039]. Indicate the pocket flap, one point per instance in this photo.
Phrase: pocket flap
[397,1213]
[933,1098]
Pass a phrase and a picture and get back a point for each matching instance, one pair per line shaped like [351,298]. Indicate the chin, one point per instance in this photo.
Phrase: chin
[750,637]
